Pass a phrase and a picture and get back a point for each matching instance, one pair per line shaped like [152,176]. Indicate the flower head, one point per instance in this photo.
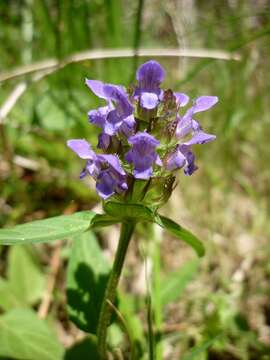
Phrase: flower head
[144,136]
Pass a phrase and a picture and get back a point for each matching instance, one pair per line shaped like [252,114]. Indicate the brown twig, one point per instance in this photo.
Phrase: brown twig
[122,321]
[54,268]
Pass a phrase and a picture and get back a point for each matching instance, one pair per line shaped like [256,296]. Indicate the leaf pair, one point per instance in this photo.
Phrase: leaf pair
[127,211]
[64,226]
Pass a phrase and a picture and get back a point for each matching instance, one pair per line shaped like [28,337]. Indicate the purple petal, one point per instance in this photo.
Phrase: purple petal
[123,185]
[120,97]
[128,125]
[200,137]
[143,174]
[149,100]
[93,167]
[143,138]
[203,103]
[129,156]
[150,75]
[82,148]
[181,99]
[190,166]
[196,125]
[184,125]
[176,160]
[98,117]
[112,124]
[142,165]
[143,154]
[105,184]
[97,87]
[159,161]
[114,162]
[103,141]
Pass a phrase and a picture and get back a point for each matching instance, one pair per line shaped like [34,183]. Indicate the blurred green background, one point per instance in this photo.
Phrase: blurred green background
[226,202]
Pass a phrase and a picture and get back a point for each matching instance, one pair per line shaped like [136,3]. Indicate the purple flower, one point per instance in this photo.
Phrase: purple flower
[105,169]
[116,115]
[186,124]
[143,154]
[149,75]
[182,157]
[112,178]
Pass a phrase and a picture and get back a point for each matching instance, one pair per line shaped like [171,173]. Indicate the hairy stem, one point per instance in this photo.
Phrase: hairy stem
[110,292]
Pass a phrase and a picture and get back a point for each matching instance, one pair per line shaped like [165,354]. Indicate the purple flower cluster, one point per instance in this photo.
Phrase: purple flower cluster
[143,135]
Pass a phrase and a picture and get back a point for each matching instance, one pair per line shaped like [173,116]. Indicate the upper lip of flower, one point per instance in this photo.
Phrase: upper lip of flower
[149,75]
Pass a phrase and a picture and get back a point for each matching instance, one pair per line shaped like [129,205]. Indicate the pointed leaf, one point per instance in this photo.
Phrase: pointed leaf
[8,299]
[24,336]
[86,280]
[25,278]
[181,233]
[55,228]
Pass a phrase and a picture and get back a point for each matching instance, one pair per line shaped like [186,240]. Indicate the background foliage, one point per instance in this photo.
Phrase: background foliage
[215,308]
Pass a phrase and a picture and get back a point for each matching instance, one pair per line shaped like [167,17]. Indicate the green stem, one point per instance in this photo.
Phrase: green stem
[110,292]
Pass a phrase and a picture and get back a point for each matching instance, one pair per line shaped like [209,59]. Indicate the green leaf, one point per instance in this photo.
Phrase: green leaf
[139,212]
[83,349]
[8,299]
[173,285]
[126,211]
[25,278]
[55,228]
[24,336]
[181,233]
[86,280]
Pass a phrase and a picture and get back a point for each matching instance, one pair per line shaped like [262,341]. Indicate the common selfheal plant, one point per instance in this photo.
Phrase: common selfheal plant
[146,139]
